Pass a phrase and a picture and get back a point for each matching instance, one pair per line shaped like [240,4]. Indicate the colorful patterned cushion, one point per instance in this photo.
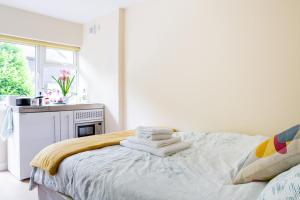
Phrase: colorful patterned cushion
[284,186]
[270,158]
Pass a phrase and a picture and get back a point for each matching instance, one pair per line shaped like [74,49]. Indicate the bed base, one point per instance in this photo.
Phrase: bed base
[46,194]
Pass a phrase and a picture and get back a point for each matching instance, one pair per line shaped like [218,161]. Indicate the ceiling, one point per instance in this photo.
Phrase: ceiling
[80,11]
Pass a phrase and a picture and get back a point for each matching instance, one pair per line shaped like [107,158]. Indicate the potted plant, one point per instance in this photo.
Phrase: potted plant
[65,82]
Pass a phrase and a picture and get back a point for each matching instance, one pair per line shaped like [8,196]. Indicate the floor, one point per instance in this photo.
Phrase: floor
[13,189]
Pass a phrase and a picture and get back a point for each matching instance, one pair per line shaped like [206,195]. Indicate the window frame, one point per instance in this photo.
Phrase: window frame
[47,63]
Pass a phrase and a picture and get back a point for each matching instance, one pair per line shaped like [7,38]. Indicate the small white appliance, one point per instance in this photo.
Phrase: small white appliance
[88,122]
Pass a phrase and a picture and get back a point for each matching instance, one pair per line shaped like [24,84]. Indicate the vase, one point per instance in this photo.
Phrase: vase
[66,99]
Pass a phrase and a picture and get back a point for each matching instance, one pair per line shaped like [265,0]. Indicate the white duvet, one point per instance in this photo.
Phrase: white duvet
[202,172]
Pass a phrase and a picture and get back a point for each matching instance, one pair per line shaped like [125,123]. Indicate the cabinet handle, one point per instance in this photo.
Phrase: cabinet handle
[68,122]
[54,135]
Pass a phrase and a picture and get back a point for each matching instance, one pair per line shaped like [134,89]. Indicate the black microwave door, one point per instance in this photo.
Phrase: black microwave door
[86,130]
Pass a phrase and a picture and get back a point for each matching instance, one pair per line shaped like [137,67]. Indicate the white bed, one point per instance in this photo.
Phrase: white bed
[203,172]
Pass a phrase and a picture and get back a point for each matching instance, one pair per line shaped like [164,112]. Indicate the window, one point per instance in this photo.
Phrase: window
[17,69]
[55,62]
[27,70]
[58,56]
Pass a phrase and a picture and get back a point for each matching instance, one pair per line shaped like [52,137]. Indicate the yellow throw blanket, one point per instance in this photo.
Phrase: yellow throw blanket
[50,157]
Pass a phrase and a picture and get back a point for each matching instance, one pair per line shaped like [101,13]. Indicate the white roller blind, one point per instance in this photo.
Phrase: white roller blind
[7,38]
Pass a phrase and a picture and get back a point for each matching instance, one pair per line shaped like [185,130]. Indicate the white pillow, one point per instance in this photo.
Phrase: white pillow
[272,157]
[285,186]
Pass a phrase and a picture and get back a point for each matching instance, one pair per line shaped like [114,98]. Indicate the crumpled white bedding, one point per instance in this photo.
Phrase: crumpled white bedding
[202,172]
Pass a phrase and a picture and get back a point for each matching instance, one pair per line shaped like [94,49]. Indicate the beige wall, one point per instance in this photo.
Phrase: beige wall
[213,65]
[100,62]
[20,23]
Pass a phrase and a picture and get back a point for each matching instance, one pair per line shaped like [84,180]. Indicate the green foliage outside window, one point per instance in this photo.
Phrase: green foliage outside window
[15,78]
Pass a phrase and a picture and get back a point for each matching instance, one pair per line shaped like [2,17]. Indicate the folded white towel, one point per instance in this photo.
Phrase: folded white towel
[154,137]
[147,130]
[162,152]
[154,144]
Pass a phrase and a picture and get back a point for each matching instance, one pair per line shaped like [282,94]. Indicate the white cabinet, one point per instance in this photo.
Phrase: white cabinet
[66,125]
[33,132]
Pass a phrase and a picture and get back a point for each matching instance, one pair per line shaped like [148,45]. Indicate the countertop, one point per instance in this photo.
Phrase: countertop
[57,107]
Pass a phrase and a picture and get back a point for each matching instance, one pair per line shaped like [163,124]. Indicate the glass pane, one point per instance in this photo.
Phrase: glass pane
[59,56]
[52,89]
[17,69]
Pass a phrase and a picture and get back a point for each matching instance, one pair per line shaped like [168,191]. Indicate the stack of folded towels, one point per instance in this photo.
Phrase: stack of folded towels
[155,140]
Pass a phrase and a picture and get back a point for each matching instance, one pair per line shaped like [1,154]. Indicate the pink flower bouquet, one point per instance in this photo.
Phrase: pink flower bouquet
[64,81]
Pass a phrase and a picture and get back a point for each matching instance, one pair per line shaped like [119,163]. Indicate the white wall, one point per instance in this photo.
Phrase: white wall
[3,151]
[25,24]
[100,62]
[213,65]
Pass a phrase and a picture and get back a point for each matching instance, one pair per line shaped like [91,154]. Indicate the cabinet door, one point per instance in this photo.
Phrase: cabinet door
[37,130]
[66,125]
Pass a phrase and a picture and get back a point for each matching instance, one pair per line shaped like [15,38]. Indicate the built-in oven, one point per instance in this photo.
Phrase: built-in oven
[88,122]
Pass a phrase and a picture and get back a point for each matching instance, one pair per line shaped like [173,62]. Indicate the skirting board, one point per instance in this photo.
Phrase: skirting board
[3,166]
